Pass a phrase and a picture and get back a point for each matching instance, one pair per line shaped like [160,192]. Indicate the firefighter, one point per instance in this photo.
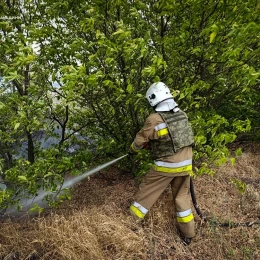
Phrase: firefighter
[170,138]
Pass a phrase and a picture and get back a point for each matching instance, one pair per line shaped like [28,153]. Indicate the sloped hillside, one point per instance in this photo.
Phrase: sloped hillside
[96,223]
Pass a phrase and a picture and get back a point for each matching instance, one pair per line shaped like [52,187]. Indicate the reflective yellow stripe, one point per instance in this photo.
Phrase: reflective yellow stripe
[162,132]
[160,126]
[173,165]
[172,170]
[137,212]
[185,219]
[185,213]
[140,207]
[133,148]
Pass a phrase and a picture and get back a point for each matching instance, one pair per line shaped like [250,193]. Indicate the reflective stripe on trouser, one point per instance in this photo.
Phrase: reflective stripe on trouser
[184,216]
[138,210]
[153,185]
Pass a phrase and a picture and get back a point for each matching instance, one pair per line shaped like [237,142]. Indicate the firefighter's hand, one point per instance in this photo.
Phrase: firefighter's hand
[146,146]
[131,152]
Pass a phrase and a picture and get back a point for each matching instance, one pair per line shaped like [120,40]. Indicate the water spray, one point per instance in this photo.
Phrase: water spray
[71,182]
[27,203]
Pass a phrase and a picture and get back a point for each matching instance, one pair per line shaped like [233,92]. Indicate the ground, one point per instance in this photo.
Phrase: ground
[96,223]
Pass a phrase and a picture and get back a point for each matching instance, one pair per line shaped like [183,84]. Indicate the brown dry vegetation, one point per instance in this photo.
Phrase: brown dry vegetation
[96,223]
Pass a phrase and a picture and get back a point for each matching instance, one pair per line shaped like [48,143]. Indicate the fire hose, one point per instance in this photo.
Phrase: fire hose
[229,224]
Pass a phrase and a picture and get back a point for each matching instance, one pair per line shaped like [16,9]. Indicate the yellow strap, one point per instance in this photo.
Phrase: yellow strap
[173,170]
[185,219]
[162,132]
[137,212]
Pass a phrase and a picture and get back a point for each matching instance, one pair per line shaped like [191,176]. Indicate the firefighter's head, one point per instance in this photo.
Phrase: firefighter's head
[157,93]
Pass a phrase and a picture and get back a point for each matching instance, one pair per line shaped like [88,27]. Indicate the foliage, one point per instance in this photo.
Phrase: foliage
[240,185]
[83,67]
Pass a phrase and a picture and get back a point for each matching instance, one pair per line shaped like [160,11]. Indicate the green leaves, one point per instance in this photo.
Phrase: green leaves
[87,24]
[36,208]
[22,178]
[239,152]
[242,125]
[240,185]
[212,36]
[16,126]
[93,65]
[2,105]
[214,29]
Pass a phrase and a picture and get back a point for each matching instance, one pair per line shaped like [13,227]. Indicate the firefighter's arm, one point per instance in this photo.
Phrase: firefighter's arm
[142,137]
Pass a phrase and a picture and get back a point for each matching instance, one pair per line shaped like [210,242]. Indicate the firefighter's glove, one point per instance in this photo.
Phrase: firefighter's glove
[132,151]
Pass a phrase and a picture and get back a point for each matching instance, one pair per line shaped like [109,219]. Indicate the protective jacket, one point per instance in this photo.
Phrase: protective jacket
[166,160]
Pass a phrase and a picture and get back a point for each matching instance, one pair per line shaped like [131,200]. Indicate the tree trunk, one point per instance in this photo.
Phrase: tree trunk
[30,147]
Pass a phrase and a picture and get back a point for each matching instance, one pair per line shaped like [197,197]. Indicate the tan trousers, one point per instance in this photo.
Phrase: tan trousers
[152,186]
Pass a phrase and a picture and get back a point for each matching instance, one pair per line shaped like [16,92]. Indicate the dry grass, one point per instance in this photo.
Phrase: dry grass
[96,223]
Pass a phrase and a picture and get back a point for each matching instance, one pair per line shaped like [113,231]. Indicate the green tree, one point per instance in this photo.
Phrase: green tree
[84,67]
[28,106]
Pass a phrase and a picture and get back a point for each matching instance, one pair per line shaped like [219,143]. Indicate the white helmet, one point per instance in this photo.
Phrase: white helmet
[157,93]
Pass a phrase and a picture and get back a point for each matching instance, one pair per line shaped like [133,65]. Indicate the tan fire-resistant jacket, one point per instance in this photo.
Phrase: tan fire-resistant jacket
[148,133]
